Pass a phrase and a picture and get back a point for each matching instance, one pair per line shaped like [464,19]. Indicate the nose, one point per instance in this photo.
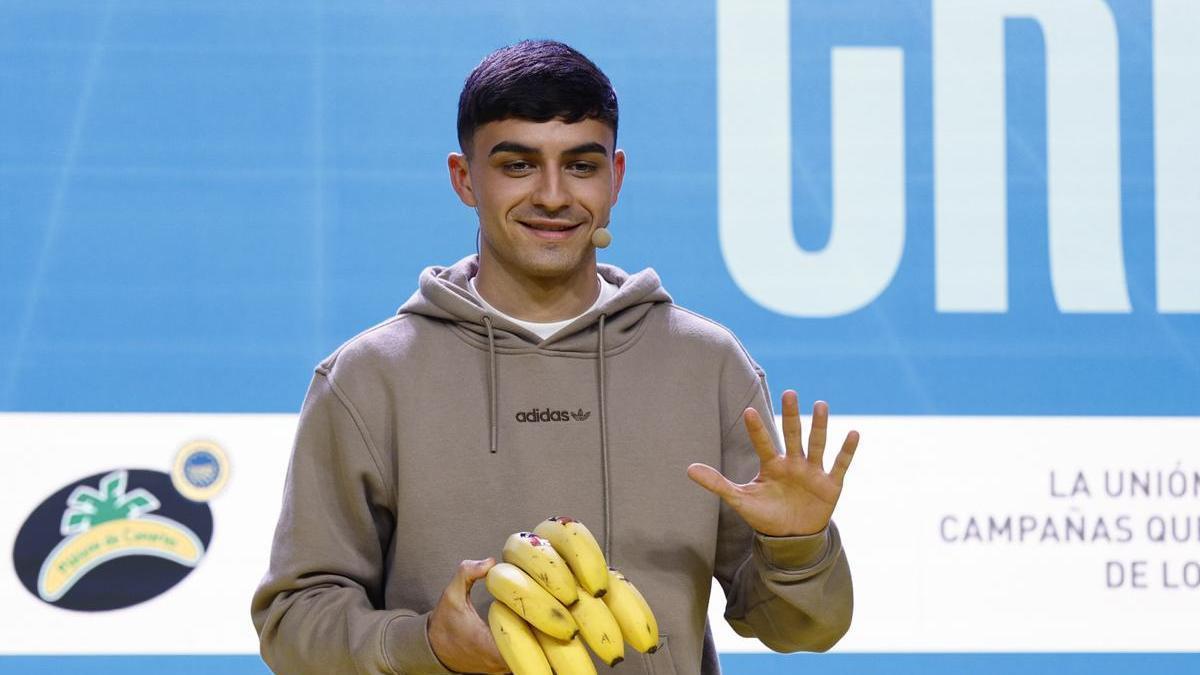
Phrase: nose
[551,193]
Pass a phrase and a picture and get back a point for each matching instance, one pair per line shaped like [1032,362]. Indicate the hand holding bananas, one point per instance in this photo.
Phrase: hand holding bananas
[459,637]
[555,593]
[792,494]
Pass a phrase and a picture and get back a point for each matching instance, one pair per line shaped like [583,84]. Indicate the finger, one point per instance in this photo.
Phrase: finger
[816,435]
[792,439]
[710,479]
[842,463]
[759,436]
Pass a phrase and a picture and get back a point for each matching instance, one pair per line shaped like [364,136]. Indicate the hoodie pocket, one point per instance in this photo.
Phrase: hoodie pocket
[660,662]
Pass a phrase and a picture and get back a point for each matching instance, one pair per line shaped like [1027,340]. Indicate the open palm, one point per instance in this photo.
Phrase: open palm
[792,493]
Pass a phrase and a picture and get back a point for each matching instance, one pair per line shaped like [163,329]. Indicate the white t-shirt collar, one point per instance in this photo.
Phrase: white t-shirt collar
[545,329]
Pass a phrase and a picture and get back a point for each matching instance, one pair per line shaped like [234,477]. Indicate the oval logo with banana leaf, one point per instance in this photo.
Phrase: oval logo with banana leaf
[112,540]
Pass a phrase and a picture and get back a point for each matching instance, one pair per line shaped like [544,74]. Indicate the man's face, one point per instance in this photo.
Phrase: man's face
[540,189]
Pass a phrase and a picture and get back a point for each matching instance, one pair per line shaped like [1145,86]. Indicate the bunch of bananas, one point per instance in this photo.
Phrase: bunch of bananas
[553,587]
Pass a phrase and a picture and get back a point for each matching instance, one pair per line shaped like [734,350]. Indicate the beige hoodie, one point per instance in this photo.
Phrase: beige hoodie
[431,437]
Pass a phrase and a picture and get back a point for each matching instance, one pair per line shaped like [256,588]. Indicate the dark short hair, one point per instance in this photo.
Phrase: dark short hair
[536,80]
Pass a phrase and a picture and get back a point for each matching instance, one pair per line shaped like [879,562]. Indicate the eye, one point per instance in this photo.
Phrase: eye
[518,166]
[582,168]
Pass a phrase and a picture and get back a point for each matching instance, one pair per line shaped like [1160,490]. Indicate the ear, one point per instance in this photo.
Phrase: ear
[618,173]
[460,178]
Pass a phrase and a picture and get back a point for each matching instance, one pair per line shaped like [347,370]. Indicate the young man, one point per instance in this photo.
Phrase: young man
[529,381]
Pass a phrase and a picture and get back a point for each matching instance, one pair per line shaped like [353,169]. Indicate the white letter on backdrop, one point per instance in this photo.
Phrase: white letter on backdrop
[755,160]
[1177,153]
[1087,268]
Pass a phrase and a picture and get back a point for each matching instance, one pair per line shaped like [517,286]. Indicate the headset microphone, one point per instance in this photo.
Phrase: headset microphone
[601,237]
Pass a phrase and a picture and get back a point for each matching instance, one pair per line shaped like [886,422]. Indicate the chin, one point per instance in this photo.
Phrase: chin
[549,266]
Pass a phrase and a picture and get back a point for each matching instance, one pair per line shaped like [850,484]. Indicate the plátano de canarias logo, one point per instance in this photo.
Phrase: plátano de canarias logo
[121,537]
[106,524]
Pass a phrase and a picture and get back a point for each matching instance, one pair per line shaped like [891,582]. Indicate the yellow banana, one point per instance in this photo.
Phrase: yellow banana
[567,657]
[638,625]
[516,641]
[575,543]
[508,584]
[540,561]
[599,628]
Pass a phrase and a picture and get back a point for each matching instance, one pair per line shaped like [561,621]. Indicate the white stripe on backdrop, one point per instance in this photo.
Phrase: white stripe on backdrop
[964,533]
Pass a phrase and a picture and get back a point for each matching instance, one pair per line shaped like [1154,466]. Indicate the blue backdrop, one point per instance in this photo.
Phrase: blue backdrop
[200,201]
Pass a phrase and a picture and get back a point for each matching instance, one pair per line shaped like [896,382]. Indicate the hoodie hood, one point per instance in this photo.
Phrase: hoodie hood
[444,293]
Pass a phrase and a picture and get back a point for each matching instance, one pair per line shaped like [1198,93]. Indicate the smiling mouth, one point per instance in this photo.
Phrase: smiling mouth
[550,230]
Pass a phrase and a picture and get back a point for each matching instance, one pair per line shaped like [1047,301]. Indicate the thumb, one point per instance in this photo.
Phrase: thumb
[710,479]
[470,571]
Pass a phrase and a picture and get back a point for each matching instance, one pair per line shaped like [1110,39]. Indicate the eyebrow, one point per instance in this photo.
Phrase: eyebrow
[517,148]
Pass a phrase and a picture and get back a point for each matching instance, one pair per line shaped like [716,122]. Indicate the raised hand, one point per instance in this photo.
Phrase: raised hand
[792,493]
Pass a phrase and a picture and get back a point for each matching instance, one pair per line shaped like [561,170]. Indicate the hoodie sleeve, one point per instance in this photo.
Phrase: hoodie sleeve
[318,609]
[792,593]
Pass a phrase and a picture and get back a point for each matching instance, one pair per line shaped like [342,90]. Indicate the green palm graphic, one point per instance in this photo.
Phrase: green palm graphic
[88,507]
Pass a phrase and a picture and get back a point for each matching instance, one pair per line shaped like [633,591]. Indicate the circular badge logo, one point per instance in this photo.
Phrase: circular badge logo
[201,470]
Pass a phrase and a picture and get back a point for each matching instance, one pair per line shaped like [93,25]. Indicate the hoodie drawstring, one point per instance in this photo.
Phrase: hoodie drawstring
[604,446]
[493,421]
[492,415]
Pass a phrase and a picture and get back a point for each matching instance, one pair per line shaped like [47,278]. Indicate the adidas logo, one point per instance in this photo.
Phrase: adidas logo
[548,415]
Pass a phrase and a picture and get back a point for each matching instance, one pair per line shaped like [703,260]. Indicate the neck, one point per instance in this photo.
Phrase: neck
[537,299]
